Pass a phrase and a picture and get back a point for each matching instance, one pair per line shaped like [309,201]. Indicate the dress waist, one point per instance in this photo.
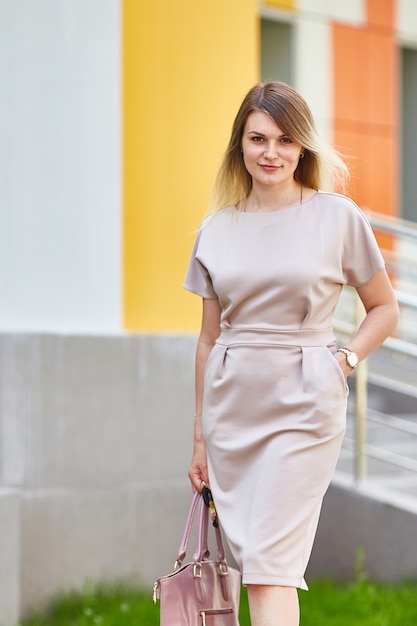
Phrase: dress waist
[307,337]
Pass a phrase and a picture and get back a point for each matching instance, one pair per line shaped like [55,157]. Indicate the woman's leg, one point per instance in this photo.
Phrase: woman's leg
[273,606]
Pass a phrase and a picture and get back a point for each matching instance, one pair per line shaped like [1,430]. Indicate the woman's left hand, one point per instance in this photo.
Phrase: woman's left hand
[343,364]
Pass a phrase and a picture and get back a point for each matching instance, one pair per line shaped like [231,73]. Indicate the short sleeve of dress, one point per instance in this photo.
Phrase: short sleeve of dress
[362,258]
[197,278]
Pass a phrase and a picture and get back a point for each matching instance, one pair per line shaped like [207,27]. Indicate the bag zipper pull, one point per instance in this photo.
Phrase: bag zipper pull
[203,614]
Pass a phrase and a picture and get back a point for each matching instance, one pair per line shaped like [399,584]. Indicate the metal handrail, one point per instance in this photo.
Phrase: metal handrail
[392,225]
[401,229]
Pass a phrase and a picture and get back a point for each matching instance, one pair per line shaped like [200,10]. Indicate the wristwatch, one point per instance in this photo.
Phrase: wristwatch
[351,357]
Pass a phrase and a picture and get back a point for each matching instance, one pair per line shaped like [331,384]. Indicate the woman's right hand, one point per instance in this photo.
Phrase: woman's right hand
[198,473]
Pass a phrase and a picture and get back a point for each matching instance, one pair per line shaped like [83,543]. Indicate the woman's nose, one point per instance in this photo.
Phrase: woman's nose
[271,150]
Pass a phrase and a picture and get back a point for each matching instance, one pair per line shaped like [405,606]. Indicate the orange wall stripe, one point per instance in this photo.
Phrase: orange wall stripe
[366,107]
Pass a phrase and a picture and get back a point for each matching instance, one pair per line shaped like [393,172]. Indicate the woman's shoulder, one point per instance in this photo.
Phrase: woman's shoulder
[335,199]
[342,213]
[341,203]
[218,215]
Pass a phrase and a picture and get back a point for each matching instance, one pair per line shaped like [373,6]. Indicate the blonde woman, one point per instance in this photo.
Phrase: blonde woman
[271,387]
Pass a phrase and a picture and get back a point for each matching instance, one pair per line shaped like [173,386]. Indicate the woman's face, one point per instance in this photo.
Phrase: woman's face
[270,156]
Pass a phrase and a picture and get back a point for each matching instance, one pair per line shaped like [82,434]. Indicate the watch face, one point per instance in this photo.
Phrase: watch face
[352,359]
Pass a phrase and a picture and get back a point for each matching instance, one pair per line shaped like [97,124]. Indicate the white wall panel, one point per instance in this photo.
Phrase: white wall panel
[351,11]
[406,21]
[60,183]
[313,70]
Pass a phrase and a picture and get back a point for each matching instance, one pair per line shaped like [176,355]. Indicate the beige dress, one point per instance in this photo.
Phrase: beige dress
[274,401]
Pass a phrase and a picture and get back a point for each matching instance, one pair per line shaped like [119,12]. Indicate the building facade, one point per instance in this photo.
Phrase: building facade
[114,118]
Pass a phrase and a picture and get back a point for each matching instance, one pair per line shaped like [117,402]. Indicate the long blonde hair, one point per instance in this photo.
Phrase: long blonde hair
[321,167]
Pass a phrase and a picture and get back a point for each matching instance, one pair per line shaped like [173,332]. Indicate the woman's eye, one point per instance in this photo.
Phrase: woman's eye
[286,140]
[257,139]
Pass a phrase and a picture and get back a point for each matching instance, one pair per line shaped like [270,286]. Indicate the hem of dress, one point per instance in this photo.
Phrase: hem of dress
[278,581]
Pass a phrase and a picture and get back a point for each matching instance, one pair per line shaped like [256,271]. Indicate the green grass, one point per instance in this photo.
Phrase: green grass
[361,603]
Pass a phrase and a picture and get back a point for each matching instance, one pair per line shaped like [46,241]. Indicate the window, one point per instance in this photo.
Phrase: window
[408,178]
[276,51]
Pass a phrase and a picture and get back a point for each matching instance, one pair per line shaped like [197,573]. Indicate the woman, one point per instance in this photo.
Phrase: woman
[270,381]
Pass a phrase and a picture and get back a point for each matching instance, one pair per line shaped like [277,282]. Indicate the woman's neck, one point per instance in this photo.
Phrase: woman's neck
[263,200]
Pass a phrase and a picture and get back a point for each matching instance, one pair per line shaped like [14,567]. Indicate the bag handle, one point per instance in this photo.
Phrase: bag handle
[202,553]
[187,531]
[202,546]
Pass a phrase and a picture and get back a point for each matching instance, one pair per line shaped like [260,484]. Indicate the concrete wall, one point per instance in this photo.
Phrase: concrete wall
[10,557]
[96,436]
[352,519]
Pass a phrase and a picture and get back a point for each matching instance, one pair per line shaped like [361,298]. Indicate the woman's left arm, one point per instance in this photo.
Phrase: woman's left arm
[382,314]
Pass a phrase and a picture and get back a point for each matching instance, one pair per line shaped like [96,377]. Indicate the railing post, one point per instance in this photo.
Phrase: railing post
[361,405]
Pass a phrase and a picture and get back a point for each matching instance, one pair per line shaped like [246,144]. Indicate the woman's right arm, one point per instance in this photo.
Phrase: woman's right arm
[210,330]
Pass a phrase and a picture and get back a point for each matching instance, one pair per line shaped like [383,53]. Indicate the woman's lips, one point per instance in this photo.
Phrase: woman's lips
[269,168]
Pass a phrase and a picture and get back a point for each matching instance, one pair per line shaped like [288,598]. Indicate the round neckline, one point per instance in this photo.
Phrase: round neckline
[275,211]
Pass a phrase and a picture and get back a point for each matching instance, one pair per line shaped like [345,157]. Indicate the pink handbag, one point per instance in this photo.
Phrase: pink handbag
[202,592]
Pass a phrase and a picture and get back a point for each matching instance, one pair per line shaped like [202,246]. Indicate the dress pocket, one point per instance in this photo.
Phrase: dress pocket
[322,374]
[338,369]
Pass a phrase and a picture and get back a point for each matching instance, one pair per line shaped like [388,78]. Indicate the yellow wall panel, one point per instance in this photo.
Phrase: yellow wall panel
[186,67]
[281,4]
